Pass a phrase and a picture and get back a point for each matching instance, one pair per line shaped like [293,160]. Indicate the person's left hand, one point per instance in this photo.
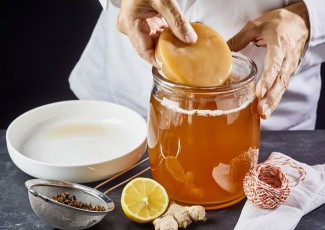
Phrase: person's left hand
[284,33]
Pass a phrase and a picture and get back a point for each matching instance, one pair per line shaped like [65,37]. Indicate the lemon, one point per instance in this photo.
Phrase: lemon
[144,199]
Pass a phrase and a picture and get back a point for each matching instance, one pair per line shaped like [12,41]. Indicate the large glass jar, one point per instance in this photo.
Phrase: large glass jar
[202,140]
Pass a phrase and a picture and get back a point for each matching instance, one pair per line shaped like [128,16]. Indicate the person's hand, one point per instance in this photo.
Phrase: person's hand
[284,33]
[142,21]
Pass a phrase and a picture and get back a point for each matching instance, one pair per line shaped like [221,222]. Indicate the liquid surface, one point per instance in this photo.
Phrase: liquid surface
[78,142]
[205,63]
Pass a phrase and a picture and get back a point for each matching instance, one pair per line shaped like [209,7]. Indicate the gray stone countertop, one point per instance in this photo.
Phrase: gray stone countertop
[16,212]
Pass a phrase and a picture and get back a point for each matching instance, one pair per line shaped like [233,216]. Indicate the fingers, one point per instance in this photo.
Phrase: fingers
[284,39]
[176,20]
[273,84]
[141,21]
[143,42]
[156,24]
[248,34]
[142,26]
[267,105]
[272,66]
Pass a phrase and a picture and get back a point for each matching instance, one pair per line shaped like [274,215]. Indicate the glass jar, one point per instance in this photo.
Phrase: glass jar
[202,140]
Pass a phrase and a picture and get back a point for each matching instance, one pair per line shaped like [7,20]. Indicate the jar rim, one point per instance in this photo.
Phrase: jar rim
[158,76]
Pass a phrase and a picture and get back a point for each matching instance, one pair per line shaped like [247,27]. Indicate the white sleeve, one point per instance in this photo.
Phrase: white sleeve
[315,48]
[104,3]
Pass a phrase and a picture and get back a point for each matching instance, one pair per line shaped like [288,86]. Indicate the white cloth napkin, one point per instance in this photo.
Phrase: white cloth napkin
[305,197]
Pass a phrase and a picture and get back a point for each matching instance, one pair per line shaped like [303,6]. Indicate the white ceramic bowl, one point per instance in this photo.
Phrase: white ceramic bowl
[76,141]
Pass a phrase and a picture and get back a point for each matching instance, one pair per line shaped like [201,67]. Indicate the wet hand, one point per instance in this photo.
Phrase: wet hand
[284,33]
[143,21]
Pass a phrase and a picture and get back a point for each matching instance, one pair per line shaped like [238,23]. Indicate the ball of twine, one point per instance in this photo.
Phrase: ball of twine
[266,185]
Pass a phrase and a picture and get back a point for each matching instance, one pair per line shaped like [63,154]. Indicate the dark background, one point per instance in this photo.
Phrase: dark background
[41,41]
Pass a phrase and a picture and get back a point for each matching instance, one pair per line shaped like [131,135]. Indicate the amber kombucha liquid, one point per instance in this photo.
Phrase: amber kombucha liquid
[202,157]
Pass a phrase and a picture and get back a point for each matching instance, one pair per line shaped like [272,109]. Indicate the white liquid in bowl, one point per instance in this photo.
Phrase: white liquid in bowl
[78,143]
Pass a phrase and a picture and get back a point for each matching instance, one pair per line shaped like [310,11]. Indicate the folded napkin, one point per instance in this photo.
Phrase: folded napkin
[304,197]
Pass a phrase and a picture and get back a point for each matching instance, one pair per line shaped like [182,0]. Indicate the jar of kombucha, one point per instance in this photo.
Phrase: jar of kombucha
[202,140]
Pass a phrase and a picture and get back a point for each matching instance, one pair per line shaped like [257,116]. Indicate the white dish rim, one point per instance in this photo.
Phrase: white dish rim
[22,116]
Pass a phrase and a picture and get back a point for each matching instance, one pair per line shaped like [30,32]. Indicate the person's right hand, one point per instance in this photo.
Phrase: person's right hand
[142,21]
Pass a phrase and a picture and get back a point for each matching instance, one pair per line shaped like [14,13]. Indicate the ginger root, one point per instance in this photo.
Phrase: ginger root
[178,216]
[165,223]
[197,213]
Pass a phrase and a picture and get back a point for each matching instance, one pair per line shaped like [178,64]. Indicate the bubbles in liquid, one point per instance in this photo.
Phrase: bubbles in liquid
[239,100]
[174,106]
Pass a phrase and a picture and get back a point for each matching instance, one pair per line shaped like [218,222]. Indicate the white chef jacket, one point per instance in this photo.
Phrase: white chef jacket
[111,70]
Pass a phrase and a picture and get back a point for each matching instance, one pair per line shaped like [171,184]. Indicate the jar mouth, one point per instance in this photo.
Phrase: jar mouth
[158,76]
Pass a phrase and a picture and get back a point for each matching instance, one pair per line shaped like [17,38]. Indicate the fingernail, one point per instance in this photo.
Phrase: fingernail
[266,110]
[190,36]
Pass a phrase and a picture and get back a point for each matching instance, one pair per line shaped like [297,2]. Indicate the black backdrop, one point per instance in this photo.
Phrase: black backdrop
[41,40]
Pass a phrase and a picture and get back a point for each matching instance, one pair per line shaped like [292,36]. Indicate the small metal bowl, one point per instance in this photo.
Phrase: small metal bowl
[63,216]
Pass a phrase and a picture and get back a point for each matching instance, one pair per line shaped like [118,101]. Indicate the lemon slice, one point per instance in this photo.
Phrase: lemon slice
[175,168]
[144,199]
[205,63]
